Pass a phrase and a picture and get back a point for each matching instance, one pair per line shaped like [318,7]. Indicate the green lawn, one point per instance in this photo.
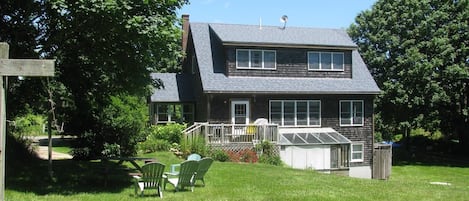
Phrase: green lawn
[83,180]
[65,150]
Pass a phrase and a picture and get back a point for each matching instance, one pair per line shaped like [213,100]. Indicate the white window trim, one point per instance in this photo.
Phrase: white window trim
[351,113]
[362,151]
[262,57]
[169,115]
[295,115]
[165,113]
[245,102]
[332,61]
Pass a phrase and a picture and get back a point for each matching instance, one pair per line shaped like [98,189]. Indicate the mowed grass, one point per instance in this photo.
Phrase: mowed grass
[85,180]
[64,150]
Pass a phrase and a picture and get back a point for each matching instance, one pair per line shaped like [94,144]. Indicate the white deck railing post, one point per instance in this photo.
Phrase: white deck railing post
[207,139]
[222,133]
[264,128]
[231,133]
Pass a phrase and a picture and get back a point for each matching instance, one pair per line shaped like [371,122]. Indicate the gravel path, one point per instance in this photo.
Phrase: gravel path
[43,153]
[42,149]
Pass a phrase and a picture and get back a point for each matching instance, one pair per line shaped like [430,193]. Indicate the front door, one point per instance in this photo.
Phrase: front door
[240,112]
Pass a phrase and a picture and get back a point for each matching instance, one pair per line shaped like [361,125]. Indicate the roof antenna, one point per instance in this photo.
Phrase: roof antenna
[260,23]
[284,19]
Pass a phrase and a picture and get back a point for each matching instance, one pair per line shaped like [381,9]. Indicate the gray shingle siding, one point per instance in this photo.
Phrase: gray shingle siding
[291,62]
[259,108]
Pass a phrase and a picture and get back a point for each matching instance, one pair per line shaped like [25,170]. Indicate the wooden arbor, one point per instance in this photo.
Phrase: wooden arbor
[15,67]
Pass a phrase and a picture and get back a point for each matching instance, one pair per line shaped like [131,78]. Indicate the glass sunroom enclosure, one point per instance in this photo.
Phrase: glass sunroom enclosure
[314,148]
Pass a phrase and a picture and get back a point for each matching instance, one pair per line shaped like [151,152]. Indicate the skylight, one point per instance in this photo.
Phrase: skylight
[313,137]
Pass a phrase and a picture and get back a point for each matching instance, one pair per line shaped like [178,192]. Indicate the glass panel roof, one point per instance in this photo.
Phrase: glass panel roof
[324,137]
[338,137]
[313,136]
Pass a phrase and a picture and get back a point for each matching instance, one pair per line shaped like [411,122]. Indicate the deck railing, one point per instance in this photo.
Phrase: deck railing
[234,133]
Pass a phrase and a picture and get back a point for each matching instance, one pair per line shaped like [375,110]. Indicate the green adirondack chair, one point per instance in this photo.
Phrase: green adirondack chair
[194,157]
[152,175]
[204,165]
[185,176]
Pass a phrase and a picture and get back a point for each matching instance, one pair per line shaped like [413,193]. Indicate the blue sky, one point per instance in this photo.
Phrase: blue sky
[301,13]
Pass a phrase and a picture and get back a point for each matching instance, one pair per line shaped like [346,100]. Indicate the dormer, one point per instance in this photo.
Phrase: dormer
[248,50]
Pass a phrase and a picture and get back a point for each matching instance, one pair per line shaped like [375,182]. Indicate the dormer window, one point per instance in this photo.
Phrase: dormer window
[255,59]
[326,61]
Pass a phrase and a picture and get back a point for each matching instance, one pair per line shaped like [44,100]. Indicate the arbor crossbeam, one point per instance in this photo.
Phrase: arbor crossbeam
[15,67]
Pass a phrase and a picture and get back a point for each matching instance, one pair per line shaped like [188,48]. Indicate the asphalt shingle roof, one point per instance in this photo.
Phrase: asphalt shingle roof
[214,81]
[176,88]
[276,35]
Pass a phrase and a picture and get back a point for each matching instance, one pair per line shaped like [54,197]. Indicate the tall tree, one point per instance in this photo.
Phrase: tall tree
[104,49]
[19,29]
[418,53]
[107,47]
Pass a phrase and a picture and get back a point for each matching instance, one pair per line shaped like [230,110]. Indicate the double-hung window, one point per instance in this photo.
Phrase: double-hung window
[357,152]
[328,61]
[163,113]
[255,59]
[295,112]
[351,112]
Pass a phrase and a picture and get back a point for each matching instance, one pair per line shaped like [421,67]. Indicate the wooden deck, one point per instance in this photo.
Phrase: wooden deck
[223,134]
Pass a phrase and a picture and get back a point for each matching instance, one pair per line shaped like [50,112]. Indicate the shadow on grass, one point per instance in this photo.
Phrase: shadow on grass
[423,151]
[26,173]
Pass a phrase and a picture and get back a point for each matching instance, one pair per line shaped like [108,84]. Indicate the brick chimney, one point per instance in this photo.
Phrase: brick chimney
[185,31]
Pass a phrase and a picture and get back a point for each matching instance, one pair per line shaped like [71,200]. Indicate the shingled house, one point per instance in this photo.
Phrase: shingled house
[310,84]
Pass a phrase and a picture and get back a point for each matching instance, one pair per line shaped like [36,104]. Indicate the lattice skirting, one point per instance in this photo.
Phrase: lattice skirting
[235,147]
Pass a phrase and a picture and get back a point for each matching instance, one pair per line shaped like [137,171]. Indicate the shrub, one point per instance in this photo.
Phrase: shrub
[268,155]
[153,145]
[220,155]
[82,148]
[111,150]
[28,125]
[378,137]
[170,132]
[272,160]
[121,123]
[193,144]
[161,137]
[266,148]
[81,153]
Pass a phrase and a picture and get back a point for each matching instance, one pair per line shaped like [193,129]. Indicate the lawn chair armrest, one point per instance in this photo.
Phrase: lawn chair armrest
[174,166]
[166,174]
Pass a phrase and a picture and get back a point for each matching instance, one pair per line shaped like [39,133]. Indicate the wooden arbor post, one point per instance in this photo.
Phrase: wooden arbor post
[15,67]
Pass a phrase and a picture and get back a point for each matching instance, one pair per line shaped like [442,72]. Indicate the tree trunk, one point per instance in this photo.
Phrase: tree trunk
[463,138]
[407,138]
